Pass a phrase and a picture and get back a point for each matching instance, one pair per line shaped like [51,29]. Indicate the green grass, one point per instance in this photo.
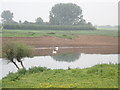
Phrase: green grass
[99,76]
[59,33]
[107,28]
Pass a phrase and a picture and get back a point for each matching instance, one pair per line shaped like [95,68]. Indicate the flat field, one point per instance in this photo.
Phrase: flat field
[58,33]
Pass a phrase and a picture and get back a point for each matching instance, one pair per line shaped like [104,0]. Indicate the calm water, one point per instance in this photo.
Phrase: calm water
[62,61]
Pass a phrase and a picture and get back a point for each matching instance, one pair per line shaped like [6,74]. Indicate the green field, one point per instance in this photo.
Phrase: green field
[57,33]
[107,28]
[99,76]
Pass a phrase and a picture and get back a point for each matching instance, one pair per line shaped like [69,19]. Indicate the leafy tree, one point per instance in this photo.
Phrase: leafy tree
[9,52]
[90,24]
[16,51]
[20,21]
[39,20]
[7,17]
[82,22]
[23,51]
[25,22]
[65,14]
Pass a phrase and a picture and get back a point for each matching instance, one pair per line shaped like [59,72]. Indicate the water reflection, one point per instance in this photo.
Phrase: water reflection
[66,57]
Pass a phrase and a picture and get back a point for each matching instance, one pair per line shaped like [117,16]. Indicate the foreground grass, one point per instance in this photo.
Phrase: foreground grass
[57,33]
[99,76]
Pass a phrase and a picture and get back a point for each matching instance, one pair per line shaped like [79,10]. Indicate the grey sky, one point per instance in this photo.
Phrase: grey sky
[99,12]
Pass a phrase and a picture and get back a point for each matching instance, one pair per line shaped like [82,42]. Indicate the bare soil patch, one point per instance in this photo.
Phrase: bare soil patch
[102,44]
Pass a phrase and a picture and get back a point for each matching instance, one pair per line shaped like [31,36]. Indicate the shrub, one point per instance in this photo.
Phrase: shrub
[22,71]
[37,69]
[13,76]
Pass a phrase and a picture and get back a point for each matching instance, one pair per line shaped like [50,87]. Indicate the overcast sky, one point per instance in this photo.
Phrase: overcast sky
[99,12]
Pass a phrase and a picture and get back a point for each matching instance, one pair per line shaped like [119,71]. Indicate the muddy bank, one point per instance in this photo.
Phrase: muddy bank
[103,44]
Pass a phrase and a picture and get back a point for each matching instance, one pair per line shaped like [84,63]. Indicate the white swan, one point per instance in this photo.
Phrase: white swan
[55,50]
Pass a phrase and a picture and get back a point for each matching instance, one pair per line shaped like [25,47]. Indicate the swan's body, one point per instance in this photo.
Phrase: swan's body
[55,50]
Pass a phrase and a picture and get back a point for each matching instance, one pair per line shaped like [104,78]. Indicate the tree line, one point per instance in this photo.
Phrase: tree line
[60,14]
[7,18]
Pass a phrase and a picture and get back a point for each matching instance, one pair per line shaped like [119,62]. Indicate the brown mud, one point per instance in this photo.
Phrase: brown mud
[87,44]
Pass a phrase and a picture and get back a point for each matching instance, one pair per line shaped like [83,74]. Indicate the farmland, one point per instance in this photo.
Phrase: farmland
[58,33]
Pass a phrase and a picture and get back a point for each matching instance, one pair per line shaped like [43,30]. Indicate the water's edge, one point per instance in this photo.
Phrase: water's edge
[62,61]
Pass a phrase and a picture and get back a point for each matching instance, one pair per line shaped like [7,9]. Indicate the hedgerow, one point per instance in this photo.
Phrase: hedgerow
[48,27]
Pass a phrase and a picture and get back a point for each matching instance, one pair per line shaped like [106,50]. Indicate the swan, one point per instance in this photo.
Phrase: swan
[55,50]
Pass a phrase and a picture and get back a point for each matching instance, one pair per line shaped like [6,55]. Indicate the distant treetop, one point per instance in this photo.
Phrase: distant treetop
[65,14]
[7,17]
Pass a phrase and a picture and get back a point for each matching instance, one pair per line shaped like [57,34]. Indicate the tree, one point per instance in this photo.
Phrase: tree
[82,22]
[16,51]
[65,14]
[9,52]
[20,21]
[39,20]
[23,51]
[90,24]
[25,22]
[7,17]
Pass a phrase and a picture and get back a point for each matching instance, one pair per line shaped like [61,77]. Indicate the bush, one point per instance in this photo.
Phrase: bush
[16,76]
[48,27]
[37,69]
[22,71]
[13,76]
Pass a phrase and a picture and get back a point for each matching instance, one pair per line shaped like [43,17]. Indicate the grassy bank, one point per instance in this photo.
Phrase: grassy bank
[99,76]
[57,33]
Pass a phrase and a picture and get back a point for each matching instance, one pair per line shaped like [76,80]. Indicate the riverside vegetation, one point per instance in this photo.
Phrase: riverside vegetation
[98,76]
